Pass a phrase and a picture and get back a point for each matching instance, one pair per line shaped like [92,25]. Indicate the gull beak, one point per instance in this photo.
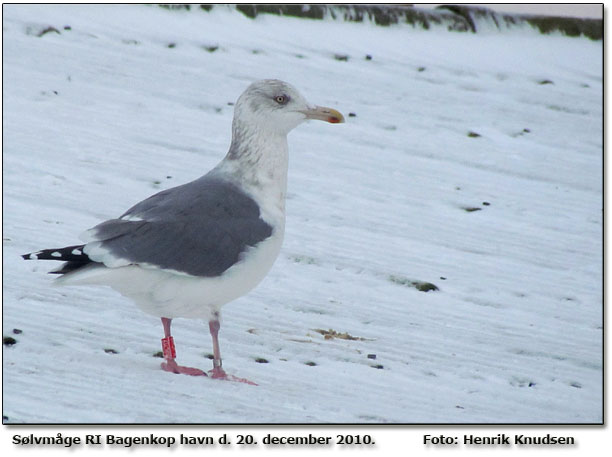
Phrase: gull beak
[323,113]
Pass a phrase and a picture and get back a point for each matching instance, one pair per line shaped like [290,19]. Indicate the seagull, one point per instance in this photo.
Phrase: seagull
[188,250]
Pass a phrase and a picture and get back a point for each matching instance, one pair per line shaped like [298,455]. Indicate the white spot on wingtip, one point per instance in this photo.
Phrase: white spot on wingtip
[56,254]
[34,256]
[76,252]
[131,218]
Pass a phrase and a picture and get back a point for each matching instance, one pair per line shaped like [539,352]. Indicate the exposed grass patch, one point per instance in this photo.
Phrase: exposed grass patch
[8,341]
[306,260]
[333,334]
[419,285]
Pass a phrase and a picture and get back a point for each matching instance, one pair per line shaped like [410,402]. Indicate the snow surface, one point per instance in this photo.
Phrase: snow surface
[134,99]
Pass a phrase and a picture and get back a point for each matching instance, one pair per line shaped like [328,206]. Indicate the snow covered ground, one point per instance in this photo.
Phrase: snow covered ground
[472,162]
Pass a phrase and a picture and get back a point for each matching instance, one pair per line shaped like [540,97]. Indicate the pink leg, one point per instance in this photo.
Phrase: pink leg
[170,354]
[217,372]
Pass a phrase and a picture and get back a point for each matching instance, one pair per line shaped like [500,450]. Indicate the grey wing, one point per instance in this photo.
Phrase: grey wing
[201,228]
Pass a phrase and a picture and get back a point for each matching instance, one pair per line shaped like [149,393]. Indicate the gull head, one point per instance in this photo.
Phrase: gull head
[277,107]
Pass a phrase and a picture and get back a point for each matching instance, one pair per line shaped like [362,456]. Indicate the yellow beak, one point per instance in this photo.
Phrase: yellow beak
[322,113]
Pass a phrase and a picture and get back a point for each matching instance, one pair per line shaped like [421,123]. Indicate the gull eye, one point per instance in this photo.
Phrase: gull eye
[281,99]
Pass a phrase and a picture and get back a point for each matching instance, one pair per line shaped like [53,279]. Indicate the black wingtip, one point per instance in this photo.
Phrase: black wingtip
[73,256]
[67,253]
